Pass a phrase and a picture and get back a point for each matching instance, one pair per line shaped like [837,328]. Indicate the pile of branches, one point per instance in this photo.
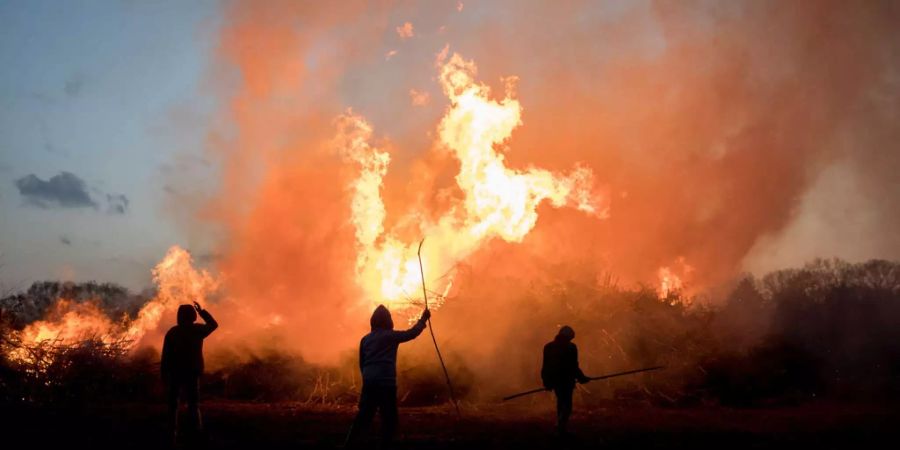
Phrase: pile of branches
[71,373]
[827,330]
[276,375]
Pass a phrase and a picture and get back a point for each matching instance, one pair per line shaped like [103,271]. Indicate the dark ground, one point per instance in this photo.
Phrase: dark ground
[524,425]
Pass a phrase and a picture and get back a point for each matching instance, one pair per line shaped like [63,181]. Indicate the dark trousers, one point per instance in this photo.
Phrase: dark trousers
[563,406]
[184,387]
[381,399]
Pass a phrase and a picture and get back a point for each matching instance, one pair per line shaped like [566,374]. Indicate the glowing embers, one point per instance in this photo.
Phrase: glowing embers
[672,280]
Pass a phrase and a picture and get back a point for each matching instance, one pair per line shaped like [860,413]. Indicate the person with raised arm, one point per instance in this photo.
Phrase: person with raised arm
[182,362]
[378,364]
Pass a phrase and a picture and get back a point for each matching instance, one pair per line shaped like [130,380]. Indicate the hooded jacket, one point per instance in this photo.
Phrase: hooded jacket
[378,349]
[560,367]
[182,353]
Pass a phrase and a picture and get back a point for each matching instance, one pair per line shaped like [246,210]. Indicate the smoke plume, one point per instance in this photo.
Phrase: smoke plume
[703,126]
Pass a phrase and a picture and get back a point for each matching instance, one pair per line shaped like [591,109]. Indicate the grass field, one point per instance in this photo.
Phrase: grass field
[524,425]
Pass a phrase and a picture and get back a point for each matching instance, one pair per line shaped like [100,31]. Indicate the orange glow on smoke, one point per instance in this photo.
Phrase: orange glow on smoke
[317,210]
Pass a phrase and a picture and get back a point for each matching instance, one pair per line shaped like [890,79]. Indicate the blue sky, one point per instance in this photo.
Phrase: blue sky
[100,90]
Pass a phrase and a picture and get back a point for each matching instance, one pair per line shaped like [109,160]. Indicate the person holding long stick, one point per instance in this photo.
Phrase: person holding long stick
[434,339]
[559,373]
[378,364]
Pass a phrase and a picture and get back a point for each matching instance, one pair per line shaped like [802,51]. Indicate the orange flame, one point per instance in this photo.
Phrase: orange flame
[497,201]
[670,282]
[70,322]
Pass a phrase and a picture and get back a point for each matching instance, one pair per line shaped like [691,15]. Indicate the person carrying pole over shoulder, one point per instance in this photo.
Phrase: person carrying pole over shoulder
[560,372]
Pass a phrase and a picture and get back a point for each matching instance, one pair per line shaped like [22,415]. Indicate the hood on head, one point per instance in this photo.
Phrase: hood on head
[381,319]
[566,333]
[186,315]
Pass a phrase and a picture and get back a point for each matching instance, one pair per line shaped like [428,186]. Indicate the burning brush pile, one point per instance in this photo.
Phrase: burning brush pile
[826,331]
[637,170]
[89,330]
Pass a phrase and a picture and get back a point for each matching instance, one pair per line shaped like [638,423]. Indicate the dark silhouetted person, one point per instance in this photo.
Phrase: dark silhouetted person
[378,364]
[560,371]
[182,362]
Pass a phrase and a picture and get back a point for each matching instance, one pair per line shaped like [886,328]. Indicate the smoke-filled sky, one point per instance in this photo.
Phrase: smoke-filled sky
[722,137]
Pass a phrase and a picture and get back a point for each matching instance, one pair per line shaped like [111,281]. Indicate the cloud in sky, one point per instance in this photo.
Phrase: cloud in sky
[117,203]
[65,190]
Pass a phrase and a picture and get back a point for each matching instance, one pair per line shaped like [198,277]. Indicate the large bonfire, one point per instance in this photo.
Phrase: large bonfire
[496,201]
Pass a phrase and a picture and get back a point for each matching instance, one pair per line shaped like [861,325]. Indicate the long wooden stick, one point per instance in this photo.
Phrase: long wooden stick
[627,372]
[602,377]
[522,394]
[431,330]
